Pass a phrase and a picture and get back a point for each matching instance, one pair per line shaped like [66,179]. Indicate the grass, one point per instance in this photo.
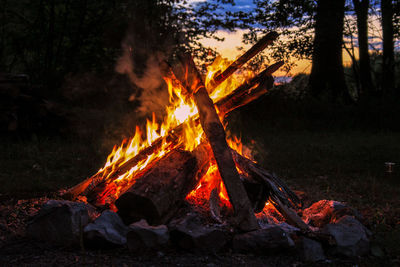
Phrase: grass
[40,165]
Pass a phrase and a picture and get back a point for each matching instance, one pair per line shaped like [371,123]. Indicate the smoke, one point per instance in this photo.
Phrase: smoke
[154,94]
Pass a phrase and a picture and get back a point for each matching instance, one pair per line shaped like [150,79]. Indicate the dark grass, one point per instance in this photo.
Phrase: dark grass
[31,167]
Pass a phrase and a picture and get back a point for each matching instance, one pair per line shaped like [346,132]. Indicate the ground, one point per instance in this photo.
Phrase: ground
[344,165]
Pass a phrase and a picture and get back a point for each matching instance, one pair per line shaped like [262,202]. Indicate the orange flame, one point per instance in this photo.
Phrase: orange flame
[181,110]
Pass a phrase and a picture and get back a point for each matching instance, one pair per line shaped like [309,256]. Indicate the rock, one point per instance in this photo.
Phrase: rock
[312,250]
[350,237]
[142,237]
[61,221]
[262,241]
[327,211]
[107,230]
[190,234]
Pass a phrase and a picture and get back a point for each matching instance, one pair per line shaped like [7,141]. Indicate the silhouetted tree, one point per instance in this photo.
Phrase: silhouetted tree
[388,46]
[327,74]
[361,9]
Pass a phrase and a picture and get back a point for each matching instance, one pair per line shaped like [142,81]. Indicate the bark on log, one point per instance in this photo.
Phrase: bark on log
[215,133]
[158,194]
[244,94]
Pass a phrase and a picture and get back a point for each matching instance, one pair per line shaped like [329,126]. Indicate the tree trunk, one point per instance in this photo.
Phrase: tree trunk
[361,9]
[388,46]
[327,73]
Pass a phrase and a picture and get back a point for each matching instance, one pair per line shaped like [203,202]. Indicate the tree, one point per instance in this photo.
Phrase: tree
[388,46]
[327,73]
[361,9]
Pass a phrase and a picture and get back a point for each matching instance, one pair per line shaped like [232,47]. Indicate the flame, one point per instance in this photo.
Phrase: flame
[234,81]
[180,111]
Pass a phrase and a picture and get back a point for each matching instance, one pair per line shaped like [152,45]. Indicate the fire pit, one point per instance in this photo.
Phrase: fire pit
[186,184]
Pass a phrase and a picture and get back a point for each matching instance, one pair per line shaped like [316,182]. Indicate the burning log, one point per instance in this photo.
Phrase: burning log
[248,91]
[238,63]
[243,95]
[216,136]
[156,195]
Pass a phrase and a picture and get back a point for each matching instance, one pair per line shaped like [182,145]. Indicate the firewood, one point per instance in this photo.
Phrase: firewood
[248,91]
[216,136]
[244,94]
[238,63]
[157,194]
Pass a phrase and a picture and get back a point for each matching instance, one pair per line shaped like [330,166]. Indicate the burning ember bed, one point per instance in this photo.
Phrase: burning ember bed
[182,183]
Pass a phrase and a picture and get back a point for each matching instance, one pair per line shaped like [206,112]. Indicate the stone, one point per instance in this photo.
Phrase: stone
[349,235]
[262,241]
[312,250]
[192,235]
[327,211]
[143,237]
[61,222]
[107,230]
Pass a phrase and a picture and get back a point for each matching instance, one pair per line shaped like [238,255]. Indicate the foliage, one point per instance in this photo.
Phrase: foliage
[294,20]
[49,39]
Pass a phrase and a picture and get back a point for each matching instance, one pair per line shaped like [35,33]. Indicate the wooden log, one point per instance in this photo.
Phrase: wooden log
[238,63]
[244,94]
[248,91]
[157,194]
[215,133]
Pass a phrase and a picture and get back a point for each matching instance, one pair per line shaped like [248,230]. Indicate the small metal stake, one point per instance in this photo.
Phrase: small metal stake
[389,166]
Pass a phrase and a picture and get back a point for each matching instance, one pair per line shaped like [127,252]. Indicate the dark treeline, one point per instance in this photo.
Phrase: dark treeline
[50,41]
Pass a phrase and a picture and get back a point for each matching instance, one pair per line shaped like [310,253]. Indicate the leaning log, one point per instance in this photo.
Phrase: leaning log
[248,91]
[242,95]
[157,194]
[238,63]
[215,133]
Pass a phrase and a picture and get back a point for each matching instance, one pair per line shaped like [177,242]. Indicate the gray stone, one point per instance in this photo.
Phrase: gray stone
[61,221]
[142,237]
[190,234]
[327,211]
[312,250]
[262,241]
[107,230]
[349,235]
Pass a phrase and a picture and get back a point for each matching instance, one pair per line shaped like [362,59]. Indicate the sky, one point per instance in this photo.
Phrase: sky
[233,40]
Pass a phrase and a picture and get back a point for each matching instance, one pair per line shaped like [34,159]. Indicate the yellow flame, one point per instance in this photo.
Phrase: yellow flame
[181,110]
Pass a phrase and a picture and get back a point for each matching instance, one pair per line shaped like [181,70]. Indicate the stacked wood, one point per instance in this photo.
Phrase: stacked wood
[243,95]
[157,191]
